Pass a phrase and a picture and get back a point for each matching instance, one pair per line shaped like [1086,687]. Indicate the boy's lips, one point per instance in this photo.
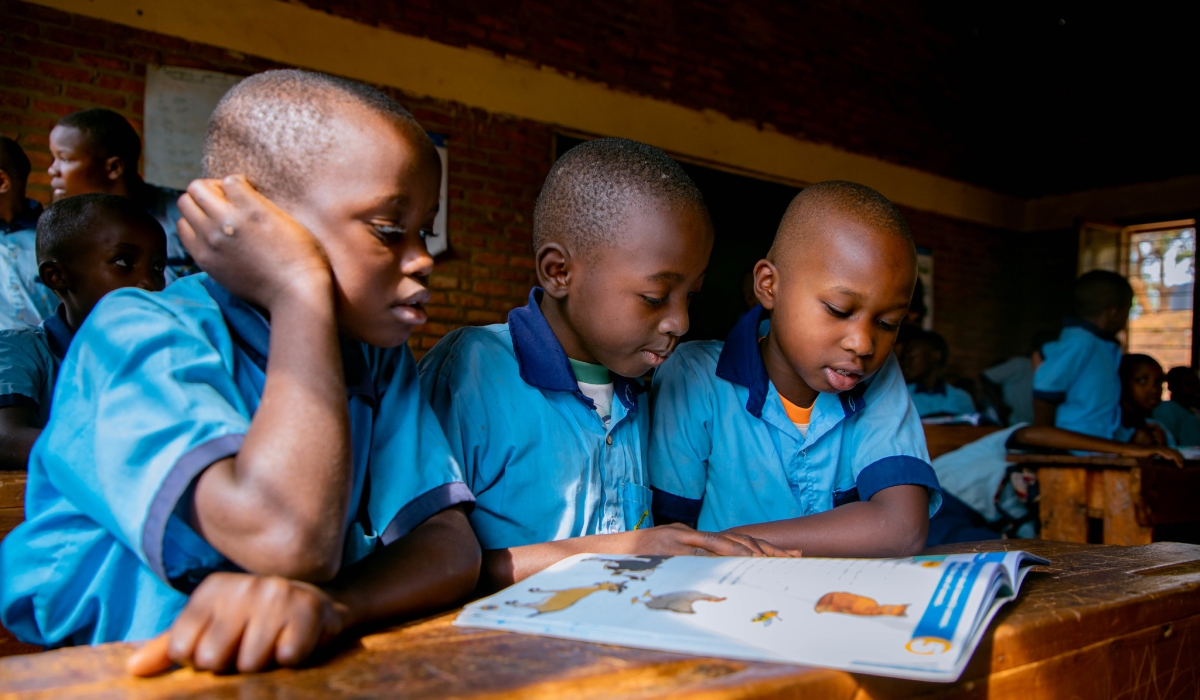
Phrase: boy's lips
[841,378]
[412,310]
[656,357]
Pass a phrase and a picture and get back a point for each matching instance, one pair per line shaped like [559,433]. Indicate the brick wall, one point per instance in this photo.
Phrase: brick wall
[53,63]
[990,285]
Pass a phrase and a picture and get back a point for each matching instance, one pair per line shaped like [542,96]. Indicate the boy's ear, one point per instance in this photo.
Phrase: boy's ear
[114,168]
[54,275]
[6,183]
[766,278]
[554,269]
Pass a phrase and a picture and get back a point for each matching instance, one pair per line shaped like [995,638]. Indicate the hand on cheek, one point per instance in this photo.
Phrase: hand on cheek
[244,621]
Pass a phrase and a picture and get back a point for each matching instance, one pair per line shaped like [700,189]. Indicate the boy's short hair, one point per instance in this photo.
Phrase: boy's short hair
[107,134]
[823,199]
[13,160]
[1182,378]
[273,127]
[65,227]
[1100,290]
[591,189]
[934,340]
[1129,364]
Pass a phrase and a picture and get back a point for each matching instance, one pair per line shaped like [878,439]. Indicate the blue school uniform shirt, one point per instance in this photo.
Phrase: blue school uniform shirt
[542,463]
[162,205]
[29,361]
[944,399]
[1015,379]
[1079,374]
[723,452]
[24,300]
[154,389]
[1179,423]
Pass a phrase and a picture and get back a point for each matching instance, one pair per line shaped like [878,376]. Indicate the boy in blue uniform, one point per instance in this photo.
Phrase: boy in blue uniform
[1177,415]
[923,361]
[1077,387]
[244,458]
[24,300]
[546,412]
[88,245]
[96,150]
[798,429]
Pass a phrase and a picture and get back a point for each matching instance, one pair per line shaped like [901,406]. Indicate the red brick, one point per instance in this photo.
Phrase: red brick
[76,40]
[494,289]
[61,72]
[480,317]
[112,82]
[11,59]
[437,281]
[41,49]
[58,108]
[13,100]
[106,62]
[101,99]
[23,81]
[489,259]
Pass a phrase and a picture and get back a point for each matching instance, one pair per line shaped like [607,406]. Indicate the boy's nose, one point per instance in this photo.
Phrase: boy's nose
[676,321]
[417,261]
[859,342]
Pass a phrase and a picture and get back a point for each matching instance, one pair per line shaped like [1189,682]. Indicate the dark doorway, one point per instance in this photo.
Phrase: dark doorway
[745,213]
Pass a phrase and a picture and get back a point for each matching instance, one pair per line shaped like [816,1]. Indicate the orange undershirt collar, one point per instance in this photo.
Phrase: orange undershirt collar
[797,414]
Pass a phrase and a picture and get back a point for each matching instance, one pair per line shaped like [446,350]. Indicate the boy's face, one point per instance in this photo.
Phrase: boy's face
[918,360]
[628,303]
[1145,386]
[119,254]
[377,190]
[76,169]
[835,306]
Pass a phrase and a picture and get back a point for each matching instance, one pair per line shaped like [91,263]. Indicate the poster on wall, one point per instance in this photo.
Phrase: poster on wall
[179,102]
[925,274]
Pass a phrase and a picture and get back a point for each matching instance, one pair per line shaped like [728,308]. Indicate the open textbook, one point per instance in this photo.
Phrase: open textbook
[919,617]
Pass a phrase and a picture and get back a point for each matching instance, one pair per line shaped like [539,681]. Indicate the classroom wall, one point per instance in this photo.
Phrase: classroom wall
[52,63]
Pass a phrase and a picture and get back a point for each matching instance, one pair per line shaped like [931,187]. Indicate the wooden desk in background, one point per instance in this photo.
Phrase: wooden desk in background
[947,438]
[12,512]
[1130,496]
[1101,622]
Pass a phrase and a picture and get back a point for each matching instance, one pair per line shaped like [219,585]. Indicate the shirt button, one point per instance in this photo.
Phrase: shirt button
[608,439]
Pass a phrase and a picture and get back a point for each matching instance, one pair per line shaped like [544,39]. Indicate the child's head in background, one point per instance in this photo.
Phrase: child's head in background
[1184,386]
[95,150]
[622,238]
[92,244]
[1141,391]
[838,281]
[924,358]
[1103,299]
[354,168]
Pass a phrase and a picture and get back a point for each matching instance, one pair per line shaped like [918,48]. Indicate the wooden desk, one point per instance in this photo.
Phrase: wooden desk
[941,439]
[1101,622]
[12,512]
[1131,496]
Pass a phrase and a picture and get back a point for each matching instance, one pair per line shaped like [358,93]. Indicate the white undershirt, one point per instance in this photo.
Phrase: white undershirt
[602,396]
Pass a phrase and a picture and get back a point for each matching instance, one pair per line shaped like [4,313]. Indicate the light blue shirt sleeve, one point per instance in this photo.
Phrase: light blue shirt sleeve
[1055,376]
[681,430]
[25,364]
[145,402]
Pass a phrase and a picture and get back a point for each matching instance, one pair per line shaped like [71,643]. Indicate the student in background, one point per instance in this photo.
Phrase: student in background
[986,496]
[1178,415]
[1141,392]
[798,429]
[88,246]
[242,464]
[1008,386]
[24,300]
[96,150]
[547,412]
[1077,387]
[924,364]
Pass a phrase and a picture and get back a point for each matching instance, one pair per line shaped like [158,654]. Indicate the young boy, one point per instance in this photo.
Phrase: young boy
[924,365]
[1177,415]
[88,246]
[1077,387]
[96,150]
[244,457]
[24,300]
[798,429]
[546,412]
[1008,385]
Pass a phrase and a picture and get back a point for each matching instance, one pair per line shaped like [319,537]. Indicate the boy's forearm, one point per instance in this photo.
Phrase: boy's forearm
[894,523]
[279,506]
[504,567]
[17,435]
[432,567]
[1059,439]
[1044,413]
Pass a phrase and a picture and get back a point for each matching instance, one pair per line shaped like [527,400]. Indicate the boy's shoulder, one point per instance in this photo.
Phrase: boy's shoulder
[696,356]
[185,306]
[486,347]
[22,346]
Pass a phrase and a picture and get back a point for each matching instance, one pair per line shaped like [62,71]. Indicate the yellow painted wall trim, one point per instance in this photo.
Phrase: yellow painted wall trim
[296,35]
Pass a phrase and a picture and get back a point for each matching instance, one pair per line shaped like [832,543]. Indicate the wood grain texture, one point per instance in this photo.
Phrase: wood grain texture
[1064,503]
[1122,501]
[1100,622]
[947,438]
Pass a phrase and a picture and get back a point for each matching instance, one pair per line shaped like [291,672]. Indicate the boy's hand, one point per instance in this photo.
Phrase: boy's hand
[252,247]
[681,540]
[1139,451]
[255,620]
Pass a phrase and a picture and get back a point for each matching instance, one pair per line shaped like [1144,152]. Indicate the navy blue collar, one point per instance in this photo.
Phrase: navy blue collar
[741,363]
[252,333]
[25,220]
[58,333]
[939,388]
[543,362]
[1072,322]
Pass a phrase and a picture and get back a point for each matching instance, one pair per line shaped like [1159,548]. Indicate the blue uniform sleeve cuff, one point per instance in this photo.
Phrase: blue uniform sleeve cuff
[897,471]
[425,506]
[177,482]
[1050,396]
[21,400]
[669,508]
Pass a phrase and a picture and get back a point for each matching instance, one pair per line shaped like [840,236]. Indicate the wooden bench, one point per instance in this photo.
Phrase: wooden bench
[1101,622]
[948,438]
[12,512]
[1127,497]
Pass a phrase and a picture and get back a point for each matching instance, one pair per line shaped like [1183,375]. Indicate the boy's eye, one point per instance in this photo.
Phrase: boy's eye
[427,233]
[836,312]
[654,301]
[390,234]
[123,261]
[889,326]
